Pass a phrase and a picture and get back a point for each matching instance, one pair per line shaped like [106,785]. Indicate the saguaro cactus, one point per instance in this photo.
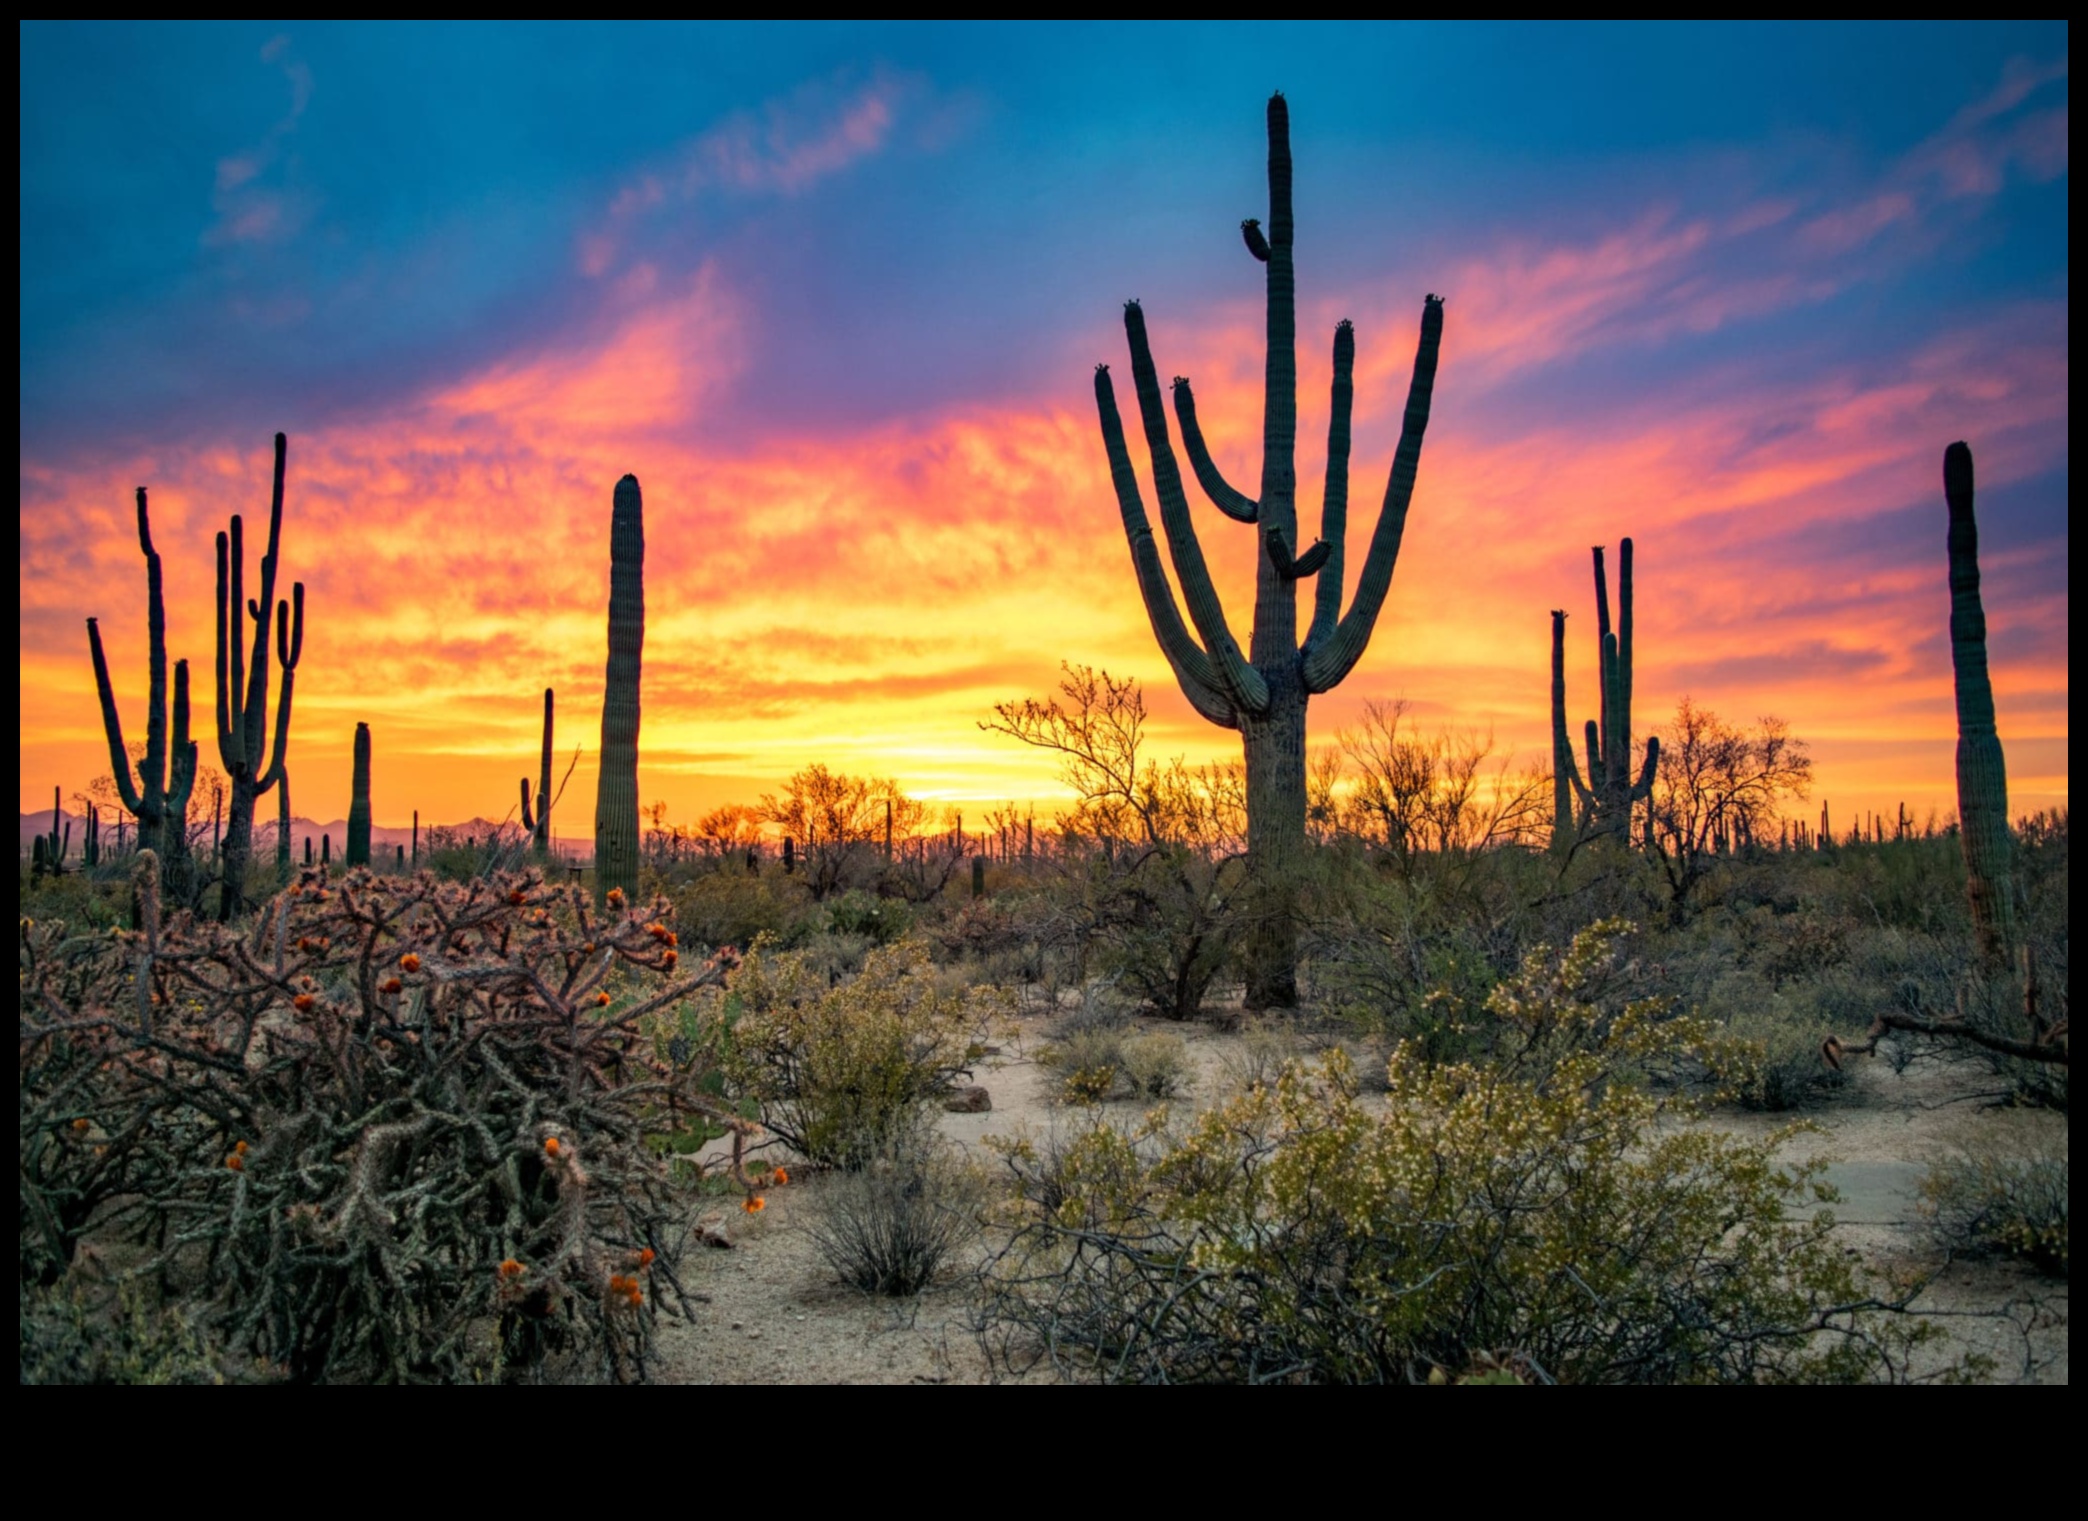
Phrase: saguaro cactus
[1564,828]
[283,824]
[616,800]
[1982,776]
[1610,791]
[242,684]
[539,823]
[1264,694]
[359,801]
[159,796]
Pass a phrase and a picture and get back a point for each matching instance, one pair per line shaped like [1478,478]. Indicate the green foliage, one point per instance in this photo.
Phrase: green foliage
[1534,1203]
[1992,1199]
[736,908]
[839,1071]
[74,1333]
[857,912]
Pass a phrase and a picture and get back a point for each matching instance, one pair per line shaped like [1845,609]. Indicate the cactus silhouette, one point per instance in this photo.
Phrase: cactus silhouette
[283,825]
[159,795]
[1982,776]
[359,801]
[616,801]
[1263,694]
[539,823]
[242,684]
[1610,790]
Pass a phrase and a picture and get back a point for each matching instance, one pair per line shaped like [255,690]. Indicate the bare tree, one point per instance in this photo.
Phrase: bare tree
[1718,786]
[839,822]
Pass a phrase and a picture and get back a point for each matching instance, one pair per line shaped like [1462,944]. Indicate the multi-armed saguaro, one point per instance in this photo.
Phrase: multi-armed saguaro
[616,801]
[1982,777]
[242,687]
[1264,693]
[539,823]
[159,797]
[1610,791]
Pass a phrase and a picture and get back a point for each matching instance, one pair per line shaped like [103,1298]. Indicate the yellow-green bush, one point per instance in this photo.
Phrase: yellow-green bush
[2000,1199]
[839,1071]
[1529,1206]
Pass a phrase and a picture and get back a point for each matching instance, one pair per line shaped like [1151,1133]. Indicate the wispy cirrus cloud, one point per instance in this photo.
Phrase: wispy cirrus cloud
[252,194]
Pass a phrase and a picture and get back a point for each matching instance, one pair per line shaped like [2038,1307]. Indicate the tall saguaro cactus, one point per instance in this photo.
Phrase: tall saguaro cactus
[1610,790]
[1564,827]
[359,801]
[242,685]
[158,798]
[539,822]
[1982,776]
[1264,693]
[616,800]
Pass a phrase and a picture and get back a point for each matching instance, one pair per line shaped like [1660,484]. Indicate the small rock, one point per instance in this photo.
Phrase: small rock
[712,1233]
[972,1100]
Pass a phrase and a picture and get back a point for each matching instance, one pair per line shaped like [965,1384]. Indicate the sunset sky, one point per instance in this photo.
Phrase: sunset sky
[835,295]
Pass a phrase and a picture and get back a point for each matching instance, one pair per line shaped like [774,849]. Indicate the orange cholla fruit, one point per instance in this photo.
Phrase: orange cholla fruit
[518,897]
[410,962]
[657,930]
[83,1123]
[510,1268]
[645,1257]
[303,1003]
[240,1147]
[618,1284]
[781,1177]
[390,985]
[668,958]
[755,1205]
[236,1162]
[602,999]
[550,1145]
[616,897]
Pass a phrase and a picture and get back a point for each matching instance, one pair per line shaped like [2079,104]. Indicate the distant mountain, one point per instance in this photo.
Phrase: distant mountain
[301,829]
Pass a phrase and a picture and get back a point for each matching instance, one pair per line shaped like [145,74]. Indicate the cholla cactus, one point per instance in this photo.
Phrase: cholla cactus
[370,1104]
[616,802]
[1263,694]
[159,797]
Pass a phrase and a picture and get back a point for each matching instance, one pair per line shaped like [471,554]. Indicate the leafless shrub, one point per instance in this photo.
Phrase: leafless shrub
[891,1226]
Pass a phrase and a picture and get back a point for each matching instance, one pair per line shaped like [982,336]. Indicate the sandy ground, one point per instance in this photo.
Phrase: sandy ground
[775,1313]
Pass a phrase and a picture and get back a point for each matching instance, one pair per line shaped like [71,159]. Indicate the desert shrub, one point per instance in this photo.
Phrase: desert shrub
[1157,1063]
[881,920]
[389,1111]
[2001,1200]
[76,1333]
[1094,1062]
[1532,1203]
[1258,1058]
[1772,1061]
[839,1070]
[736,908]
[890,1226]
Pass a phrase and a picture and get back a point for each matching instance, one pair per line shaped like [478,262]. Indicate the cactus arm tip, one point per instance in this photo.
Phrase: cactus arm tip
[1235,504]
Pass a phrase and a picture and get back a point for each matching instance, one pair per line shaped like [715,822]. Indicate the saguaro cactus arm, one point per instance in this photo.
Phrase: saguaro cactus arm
[1234,504]
[1280,556]
[1192,667]
[1982,775]
[1240,680]
[1328,662]
[1326,606]
[112,723]
[289,650]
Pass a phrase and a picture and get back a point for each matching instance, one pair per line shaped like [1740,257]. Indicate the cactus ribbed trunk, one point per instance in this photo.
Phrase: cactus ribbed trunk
[359,801]
[283,826]
[159,795]
[1563,829]
[1264,694]
[616,803]
[242,684]
[1982,776]
[538,822]
[1610,792]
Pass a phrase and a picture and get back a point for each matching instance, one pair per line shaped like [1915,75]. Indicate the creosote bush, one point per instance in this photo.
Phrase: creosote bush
[842,1069]
[1092,1063]
[1529,1208]
[394,1129]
